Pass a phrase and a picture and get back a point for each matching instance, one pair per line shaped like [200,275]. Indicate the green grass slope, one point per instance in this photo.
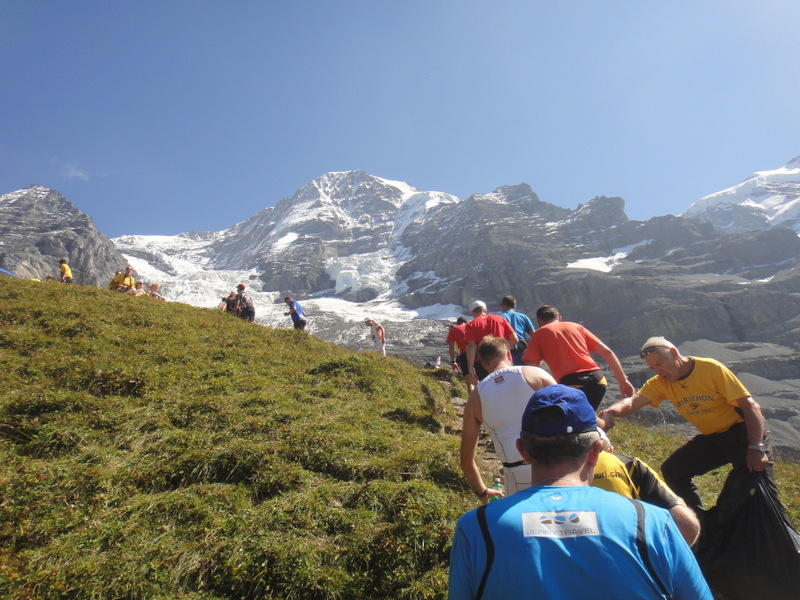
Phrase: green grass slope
[154,450]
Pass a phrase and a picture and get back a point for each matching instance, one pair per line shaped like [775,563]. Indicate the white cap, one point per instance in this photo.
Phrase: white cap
[477,304]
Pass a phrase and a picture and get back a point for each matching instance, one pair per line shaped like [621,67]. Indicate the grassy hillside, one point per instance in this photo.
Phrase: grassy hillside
[155,450]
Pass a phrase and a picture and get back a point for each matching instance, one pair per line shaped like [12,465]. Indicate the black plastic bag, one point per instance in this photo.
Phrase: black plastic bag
[748,549]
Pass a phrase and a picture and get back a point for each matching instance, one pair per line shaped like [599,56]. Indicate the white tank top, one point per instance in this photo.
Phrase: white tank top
[504,396]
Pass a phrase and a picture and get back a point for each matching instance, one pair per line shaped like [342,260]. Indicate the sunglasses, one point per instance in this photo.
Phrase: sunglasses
[649,350]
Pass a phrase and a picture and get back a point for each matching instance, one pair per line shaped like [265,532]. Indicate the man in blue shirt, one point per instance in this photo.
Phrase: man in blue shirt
[560,538]
[520,323]
[296,312]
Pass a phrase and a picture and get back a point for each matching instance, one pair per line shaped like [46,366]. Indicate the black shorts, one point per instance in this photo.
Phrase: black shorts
[301,325]
[591,383]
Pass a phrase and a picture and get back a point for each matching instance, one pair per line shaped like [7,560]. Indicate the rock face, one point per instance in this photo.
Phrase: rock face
[39,227]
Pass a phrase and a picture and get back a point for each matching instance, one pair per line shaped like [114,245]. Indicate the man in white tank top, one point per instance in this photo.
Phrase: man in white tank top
[498,403]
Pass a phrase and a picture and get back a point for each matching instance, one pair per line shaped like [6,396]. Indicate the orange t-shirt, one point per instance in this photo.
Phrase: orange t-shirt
[566,348]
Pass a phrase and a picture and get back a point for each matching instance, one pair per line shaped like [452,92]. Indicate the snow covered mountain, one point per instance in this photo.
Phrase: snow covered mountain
[765,199]
[350,245]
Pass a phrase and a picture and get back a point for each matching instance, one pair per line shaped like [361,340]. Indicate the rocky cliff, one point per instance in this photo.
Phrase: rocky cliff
[39,227]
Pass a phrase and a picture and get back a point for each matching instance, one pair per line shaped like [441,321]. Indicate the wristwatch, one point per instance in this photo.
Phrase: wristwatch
[759,447]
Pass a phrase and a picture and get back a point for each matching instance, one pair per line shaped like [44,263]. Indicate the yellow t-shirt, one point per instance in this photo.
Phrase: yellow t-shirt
[632,478]
[706,397]
[66,271]
[122,279]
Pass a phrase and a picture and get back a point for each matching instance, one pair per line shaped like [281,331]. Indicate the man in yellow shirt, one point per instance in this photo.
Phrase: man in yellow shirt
[123,282]
[66,272]
[710,397]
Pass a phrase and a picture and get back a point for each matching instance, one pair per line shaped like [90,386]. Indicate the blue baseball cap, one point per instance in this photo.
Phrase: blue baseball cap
[558,410]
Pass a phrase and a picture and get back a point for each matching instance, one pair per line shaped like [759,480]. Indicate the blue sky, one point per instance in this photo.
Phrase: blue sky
[171,116]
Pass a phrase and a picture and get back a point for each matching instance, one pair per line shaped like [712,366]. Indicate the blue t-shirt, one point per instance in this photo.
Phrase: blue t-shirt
[298,314]
[520,323]
[562,543]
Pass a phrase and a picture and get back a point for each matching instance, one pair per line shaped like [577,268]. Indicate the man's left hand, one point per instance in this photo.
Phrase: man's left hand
[626,389]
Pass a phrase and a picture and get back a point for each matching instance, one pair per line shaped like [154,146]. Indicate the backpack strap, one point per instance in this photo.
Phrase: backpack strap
[487,538]
[641,545]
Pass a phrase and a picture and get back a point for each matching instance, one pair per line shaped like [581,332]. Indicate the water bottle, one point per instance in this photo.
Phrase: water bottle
[438,361]
[497,486]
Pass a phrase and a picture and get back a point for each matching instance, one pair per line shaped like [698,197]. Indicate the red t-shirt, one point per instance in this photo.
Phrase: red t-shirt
[456,336]
[484,325]
[566,348]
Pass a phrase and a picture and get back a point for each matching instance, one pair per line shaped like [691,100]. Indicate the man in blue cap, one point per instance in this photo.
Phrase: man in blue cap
[561,538]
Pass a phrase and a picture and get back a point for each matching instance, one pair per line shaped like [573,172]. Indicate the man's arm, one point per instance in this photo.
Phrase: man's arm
[472,348]
[622,409]
[687,522]
[754,422]
[470,431]
[452,348]
[653,490]
[625,386]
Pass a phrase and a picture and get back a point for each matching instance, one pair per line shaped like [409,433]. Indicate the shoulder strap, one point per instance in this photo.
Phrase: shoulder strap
[641,544]
[487,538]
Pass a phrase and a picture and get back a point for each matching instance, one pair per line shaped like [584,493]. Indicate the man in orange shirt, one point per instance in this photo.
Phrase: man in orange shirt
[567,349]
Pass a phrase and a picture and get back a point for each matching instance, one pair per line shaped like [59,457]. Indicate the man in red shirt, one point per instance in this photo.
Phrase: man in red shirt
[483,324]
[567,349]
[457,346]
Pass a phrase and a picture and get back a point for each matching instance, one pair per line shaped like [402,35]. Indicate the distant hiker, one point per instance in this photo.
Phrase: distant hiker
[66,272]
[229,304]
[296,312]
[153,293]
[123,282]
[378,335]
[246,308]
[521,323]
[497,403]
[484,324]
[567,348]
[561,538]
[49,278]
[457,345]
[710,397]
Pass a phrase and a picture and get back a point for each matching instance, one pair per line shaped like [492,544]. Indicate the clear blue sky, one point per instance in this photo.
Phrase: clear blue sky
[158,117]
